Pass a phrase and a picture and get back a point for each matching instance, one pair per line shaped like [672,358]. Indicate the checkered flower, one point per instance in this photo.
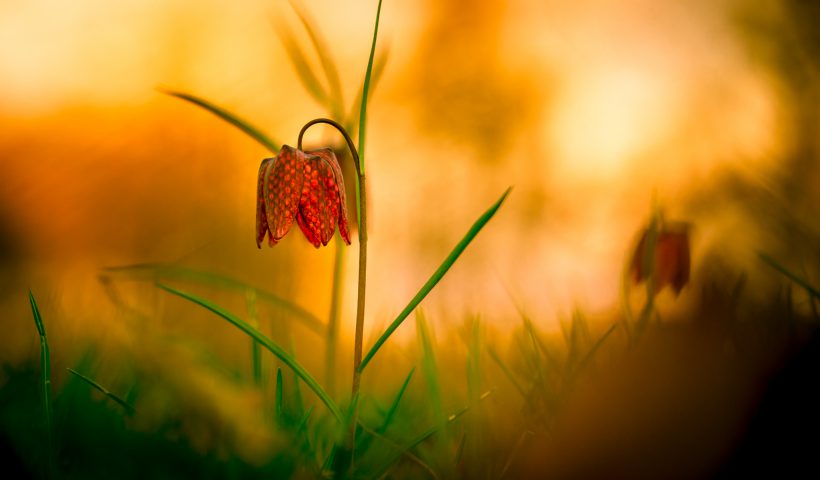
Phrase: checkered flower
[302,186]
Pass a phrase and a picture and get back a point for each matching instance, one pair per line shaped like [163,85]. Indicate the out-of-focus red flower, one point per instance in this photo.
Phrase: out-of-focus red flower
[302,186]
[671,259]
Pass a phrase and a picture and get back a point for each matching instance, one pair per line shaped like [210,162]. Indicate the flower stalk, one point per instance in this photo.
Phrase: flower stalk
[362,220]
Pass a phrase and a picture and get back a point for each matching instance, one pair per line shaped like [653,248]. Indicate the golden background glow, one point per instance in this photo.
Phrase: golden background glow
[588,110]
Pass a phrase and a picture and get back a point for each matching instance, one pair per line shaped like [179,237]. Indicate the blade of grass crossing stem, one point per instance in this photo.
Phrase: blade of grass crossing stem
[157,271]
[266,342]
[335,98]
[436,277]
[227,116]
[365,91]
[45,367]
[125,405]
[256,353]
[790,275]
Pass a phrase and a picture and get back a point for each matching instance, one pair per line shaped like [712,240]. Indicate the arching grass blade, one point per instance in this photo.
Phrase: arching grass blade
[436,277]
[229,117]
[266,342]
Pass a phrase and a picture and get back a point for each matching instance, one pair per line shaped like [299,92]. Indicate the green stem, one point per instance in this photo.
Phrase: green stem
[362,201]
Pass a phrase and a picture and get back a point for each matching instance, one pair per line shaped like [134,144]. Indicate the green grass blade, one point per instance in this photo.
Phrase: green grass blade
[365,90]
[436,277]
[45,365]
[352,119]
[335,97]
[279,409]
[592,351]
[788,274]
[118,400]
[301,64]
[388,417]
[266,342]
[229,117]
[256,353]
[156,271]
[429,366]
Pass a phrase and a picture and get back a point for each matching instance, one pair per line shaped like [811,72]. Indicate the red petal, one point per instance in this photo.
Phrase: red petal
[261,215]
[282,189]
[332,182]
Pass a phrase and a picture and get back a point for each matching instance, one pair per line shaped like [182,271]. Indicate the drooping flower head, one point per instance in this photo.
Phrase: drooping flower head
[302,186]
[671,262]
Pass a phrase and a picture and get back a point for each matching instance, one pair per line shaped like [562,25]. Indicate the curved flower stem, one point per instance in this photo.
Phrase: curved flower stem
[362,220]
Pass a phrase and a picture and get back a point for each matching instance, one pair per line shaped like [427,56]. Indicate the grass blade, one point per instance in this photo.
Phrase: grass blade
[592,351]
[388,417]
[335,97]
[279,409]
[788,274]
[301,64]
[436,277]
[45,365]
[365,89]
[229,117]
[127,406]
[266,342]
[156,271]
[256,353]
[352,119]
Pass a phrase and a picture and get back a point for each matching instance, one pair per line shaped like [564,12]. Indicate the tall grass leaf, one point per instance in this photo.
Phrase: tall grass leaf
[394,405]
[335,97]
[365,91]
[118,400]
[45,366]
[429,366]
[229,117]
[301,64]
[157,271]
[352,119]
[813,292]
[279,397]
[266,342]
[436,277]
[256,354]
[592,351]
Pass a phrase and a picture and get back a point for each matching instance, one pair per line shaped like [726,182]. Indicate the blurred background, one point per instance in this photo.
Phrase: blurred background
[588,109]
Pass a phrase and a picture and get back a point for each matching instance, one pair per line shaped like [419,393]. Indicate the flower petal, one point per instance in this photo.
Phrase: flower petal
[282,189]
[261,215]
[332,182]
